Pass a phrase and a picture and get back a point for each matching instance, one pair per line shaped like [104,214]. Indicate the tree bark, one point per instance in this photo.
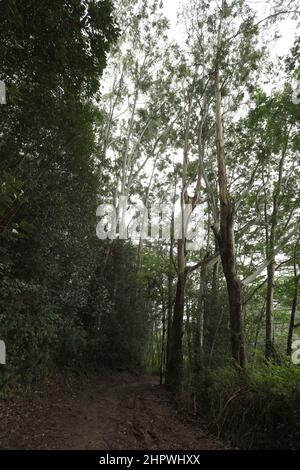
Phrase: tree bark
[199,333]
[175,359]
[163,347]
[188,332]
[174,370]
[169,310]
[269,346]
[271,240]
[226,241]
[293,311]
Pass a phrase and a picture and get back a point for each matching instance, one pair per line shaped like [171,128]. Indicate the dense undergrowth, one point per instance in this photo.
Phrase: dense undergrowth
[258,409]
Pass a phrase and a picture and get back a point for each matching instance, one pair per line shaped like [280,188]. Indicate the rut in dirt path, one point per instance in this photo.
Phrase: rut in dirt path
[116,412]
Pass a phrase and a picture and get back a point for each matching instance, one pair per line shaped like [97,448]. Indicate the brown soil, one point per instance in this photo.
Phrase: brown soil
[106,411]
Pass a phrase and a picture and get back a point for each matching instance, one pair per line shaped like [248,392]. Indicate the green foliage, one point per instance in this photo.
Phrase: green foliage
[52,57]
[66,296]
[116,315]
[258,409]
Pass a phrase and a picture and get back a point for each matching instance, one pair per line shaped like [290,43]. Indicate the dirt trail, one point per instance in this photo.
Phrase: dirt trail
[105,412]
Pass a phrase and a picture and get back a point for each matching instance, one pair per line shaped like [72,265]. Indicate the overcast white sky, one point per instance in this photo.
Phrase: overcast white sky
[287,29]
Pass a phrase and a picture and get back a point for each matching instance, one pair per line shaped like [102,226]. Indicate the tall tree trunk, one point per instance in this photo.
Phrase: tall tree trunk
[169,311]
[199,333]
[271,241]
[188,330]
[269,346]
[226,241]
[170,285]
[163,347]
[258,328]
[175,359]
[129,133]
[293,311]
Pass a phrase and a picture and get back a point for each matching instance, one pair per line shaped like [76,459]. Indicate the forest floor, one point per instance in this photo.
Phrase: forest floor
[104,411]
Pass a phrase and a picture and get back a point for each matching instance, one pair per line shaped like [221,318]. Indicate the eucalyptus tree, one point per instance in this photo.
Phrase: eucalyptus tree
[296,283]
[195,98]
[137,115]
[208,52]
[223,59]
[277,125]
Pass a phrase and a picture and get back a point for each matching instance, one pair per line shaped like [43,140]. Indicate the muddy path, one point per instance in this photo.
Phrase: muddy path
[106,411]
